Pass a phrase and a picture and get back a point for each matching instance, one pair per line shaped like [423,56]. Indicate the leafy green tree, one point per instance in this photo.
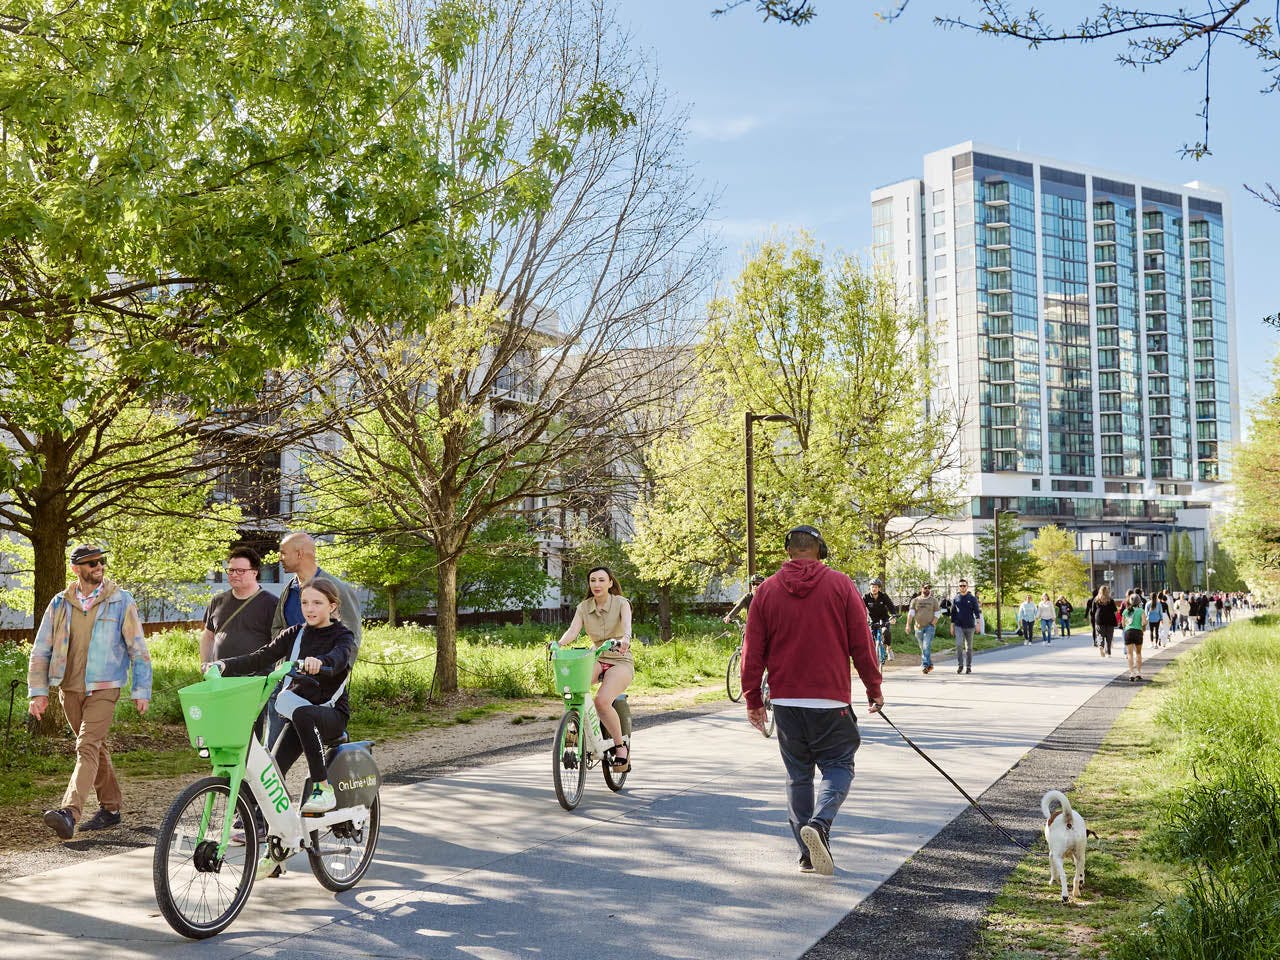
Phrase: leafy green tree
[861,453]
[185,192]
[1185,562]
[17,573]
[1252,533]
[956,567]
[1173,573]
[1225,575]
[1017,566]
[1062,571]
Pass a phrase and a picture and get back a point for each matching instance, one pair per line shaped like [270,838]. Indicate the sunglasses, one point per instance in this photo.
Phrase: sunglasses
[100,562]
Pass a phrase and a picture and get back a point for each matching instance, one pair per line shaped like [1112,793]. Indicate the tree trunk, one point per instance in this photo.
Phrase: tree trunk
[50,527]
[664,612]
[447,623]
[391,606]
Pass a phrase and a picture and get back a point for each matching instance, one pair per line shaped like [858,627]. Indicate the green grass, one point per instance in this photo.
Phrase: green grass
[1185,795]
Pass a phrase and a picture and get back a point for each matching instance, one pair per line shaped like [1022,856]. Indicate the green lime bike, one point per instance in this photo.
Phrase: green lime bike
[580,744]
[202,878]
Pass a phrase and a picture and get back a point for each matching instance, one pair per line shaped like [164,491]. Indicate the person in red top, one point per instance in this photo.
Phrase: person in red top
[807,621]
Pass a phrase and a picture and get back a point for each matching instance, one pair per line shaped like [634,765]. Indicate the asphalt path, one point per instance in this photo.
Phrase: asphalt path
[693,859]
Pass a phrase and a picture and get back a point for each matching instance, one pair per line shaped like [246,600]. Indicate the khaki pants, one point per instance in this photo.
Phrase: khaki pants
[90,716]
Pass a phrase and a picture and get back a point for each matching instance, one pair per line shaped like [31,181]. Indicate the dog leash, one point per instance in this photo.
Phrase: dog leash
[964,793]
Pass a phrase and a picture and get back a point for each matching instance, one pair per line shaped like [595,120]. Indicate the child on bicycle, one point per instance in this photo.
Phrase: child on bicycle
[606,615]
[321,715]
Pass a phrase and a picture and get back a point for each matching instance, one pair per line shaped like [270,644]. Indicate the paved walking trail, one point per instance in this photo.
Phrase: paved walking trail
[693,859]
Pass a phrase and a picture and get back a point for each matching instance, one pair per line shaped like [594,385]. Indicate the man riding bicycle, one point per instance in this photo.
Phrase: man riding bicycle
[881,611]
[744,602]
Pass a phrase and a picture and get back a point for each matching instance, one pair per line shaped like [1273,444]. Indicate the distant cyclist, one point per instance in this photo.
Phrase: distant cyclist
[744,602]
[881,611]
[606,615]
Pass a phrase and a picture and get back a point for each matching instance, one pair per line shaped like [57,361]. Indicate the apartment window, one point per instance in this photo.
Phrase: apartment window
[939,218]
[939,241]
[940,262]
[939,197]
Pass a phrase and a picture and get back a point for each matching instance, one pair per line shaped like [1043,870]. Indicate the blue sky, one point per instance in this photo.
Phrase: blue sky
[794,126]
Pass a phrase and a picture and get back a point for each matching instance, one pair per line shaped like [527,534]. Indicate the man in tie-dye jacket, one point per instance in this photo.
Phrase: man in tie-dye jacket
[89,637]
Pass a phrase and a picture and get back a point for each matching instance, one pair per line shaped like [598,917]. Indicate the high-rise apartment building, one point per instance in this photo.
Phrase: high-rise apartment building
[1083,322]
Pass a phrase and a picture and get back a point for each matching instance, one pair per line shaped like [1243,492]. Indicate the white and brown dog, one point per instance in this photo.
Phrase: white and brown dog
[1067,836]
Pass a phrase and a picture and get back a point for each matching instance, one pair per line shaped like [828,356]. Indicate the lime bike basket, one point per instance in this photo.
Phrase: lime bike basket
[220,712]
[573,671]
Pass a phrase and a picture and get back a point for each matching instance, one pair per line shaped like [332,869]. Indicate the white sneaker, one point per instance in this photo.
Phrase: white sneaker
[889,653]
[320,800]
[268,867]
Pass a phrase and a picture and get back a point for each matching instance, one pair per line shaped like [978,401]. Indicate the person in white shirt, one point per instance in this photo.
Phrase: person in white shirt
[1027,618]
[1046,613]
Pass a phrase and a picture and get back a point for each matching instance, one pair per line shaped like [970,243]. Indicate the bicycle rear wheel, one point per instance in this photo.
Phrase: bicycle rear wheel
[344,852]
[733,676]
[198,894]
[568,766]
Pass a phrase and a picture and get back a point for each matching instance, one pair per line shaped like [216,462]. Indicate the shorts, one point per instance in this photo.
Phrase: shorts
[1133,637]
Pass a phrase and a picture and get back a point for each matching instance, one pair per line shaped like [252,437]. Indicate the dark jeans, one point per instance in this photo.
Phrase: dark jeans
[311,729]
[1105,634]
[1025,627]
[809,737]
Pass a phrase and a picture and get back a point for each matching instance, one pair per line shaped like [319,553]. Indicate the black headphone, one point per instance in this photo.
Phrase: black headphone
[811,531]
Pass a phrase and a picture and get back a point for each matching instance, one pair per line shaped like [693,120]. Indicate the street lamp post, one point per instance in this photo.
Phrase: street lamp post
[1093,576]
[751,418]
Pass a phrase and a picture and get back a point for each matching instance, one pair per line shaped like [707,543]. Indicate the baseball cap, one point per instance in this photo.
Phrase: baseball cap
[86,551]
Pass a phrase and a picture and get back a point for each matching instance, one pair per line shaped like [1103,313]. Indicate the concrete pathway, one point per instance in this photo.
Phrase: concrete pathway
[693,859]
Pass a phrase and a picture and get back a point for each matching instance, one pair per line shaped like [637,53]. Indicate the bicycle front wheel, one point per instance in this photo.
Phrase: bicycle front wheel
[768,707]
[568,760]
[341,854]
[198,894]
[733,676]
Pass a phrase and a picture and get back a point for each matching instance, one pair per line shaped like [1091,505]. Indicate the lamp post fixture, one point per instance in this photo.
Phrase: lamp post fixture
[751,419]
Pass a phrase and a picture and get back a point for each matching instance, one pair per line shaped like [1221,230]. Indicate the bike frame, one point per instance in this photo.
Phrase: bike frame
[596,743]
[256,768]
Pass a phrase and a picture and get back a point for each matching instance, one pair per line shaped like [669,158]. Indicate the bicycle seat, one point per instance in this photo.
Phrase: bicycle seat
[339,740]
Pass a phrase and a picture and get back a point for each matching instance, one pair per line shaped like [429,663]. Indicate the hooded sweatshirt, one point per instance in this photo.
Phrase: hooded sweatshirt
[807,621]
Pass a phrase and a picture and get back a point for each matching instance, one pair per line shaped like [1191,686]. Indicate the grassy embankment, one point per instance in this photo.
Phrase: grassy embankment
[1185,795]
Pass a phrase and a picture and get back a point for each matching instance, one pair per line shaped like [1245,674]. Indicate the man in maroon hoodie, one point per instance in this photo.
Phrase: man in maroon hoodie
[807,621]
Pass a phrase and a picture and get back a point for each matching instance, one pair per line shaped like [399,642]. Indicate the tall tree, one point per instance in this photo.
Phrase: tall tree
[1018,567]
[1172,568]
[1253,531]
[1186,562]
[184,192]
[1062,571]
[590,262]
[828,346]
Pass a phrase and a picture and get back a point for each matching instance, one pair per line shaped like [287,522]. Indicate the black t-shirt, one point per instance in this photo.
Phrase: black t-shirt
[237,634]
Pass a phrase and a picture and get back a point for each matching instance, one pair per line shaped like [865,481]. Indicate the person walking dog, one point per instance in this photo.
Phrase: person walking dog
[807,622]
[89,640]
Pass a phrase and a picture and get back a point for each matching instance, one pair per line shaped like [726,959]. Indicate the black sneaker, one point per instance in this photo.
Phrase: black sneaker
[61,822]
[814,835]
[806,865]
[104,819]
[959,669]
[968,669]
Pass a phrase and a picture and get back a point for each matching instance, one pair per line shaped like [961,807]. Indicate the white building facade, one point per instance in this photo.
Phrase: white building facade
[1083,322]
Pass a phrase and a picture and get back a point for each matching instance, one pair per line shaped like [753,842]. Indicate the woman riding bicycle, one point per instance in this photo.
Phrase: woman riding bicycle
[323,713]
[606,615]
[744,602]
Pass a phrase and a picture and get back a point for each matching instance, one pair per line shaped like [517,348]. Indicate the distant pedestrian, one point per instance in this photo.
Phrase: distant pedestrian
[1046,614]
[922,616]
[1062,606]
[1088,615]
[965,610]
[807,622]
[88,641]
[238,620]
[1105,619]
[740,608]
[1027,613]
[1133,620]
[1217,610]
